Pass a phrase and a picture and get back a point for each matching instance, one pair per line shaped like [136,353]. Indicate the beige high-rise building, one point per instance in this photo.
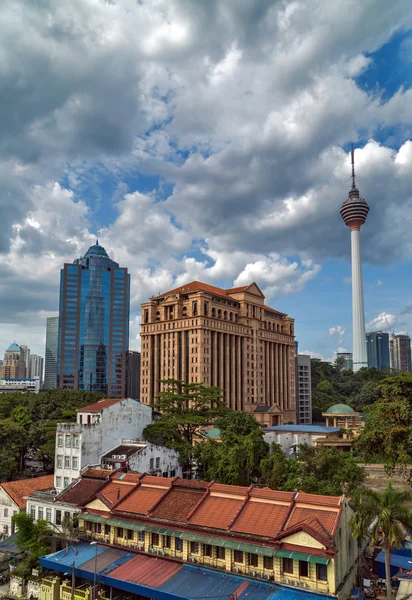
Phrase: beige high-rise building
[225,338]
[13,364]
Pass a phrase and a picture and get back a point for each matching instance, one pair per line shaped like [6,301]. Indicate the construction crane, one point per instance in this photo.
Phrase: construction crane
[389,327]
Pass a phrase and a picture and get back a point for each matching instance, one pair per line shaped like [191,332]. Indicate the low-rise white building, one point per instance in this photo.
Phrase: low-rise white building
[18,384]
[291,436]
[13,495]
[98,428]
[143,457]
[54,507]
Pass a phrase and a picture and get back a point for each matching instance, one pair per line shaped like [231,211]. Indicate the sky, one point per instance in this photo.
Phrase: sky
[207,141]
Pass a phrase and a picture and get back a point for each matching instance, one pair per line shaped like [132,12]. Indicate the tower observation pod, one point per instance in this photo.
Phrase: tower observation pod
[354,212]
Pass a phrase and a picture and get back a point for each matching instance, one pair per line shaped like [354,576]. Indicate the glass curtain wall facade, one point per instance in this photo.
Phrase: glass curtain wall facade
[377,347]
[94,324]
[50,363]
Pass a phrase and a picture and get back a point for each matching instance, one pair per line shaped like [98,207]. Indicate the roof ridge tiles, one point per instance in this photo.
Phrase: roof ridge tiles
[241,507]
[205,495]
[155,505]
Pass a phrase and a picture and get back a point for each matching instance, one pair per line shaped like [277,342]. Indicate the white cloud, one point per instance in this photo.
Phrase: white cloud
[384,321]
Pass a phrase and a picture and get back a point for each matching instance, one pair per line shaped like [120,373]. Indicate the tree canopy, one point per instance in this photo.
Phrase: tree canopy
[384,517]
[32,537]
[184,410]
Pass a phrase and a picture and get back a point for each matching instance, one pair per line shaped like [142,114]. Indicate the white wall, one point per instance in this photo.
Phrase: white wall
[287,439]
[158,460]
[43,509]
[7,509]
[125,419]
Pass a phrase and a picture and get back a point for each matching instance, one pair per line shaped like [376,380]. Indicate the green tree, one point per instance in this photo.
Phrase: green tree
[387,431]
[185,409]
[32,537]
[13,439]
[236,459]
[384,517]
[280,472]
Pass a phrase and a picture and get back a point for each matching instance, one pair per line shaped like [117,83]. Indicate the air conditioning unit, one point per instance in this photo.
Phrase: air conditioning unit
[252,573]
[285,581]
[236,570]
[161,553]
[267,576]
[191,559]
[150,549]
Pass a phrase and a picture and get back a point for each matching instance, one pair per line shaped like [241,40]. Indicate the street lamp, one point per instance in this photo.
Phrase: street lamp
[95,569]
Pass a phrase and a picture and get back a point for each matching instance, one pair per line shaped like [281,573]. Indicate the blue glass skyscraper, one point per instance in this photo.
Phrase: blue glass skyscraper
[94,324]
[377,347]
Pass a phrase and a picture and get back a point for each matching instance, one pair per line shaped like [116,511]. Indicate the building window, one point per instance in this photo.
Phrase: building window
[194,547]
[207,549]
[6,529]
[119,532]
[66,482]
[41,513]
[75,441]
[59,463]
[107,530]
[58,482]
[67,462]
[321,572]
[287,566]
[303,568]
[157,463]
[268,563]
[141,536]
[68,441]
[6,512]
[178,544]
[253,560]
[151,464]
[166,541]
[130,534]
[155,539]
[75,462]
[238,556]
[60,441]
[48,514]
[220,552]
[58,517]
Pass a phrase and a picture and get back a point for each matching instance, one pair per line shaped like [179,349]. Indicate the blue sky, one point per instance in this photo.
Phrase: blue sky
[208,141]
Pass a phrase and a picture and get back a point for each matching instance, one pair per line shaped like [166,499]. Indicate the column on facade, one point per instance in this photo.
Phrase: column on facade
[227,370]
[221,362]
[156,365]
[240,397]
[232,341]
[271,375]
[276,374]
[280,371]
[215,374]
[286,404]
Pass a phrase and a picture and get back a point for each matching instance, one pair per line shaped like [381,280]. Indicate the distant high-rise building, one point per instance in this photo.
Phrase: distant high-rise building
[347,357]
[133,374]
[36,367]
[200,333]
[26,358]
[94,324]
[400,353]
[354,212]
[303,389]
[377,346]
[13,366]
[50,365]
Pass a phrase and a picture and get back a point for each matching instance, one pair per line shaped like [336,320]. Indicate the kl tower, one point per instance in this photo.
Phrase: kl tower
[354,212]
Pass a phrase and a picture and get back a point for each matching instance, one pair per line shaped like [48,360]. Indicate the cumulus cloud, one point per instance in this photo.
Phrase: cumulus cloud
[198,140]
[384,321]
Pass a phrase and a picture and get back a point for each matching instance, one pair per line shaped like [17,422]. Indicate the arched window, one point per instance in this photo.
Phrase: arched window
[213,312]
[230,316]
[158,315]
[146,316]
[184,312]
[225,315]
[219,314]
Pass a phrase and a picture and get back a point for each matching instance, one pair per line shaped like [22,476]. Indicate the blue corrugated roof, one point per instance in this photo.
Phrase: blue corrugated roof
[189,583]
[303,428]
[402,561]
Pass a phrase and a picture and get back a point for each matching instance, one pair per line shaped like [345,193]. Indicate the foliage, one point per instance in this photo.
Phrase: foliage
[314,470]
[236,459]
[185,409]
[388,424]
[28,422]
[33,538]
[332,384]
[385,518]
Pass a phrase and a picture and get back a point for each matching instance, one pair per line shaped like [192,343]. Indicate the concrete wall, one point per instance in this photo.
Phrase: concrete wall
[288,439]
[7,509]
[42,509]
[156,459]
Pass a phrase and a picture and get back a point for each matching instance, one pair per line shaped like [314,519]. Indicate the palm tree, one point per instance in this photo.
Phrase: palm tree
[383,517]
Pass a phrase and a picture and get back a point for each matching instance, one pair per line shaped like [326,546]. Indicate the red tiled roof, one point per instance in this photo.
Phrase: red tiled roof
[304,498]
[147,570]
[194,286]
[81,491]
[258,518]
[18,490]
[327,518]
[233,490]
[165,482]
[100,405]
[216,512]
[191,483]
[274,310]
[113,492]
[275,495]
[236,290]
[96,473]
[127,477]
[142,500]
[177,504]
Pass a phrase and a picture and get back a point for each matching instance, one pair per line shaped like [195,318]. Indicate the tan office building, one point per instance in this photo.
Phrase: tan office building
[225,338]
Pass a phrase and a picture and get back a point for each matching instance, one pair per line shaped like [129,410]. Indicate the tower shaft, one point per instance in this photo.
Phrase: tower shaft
[360,359]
